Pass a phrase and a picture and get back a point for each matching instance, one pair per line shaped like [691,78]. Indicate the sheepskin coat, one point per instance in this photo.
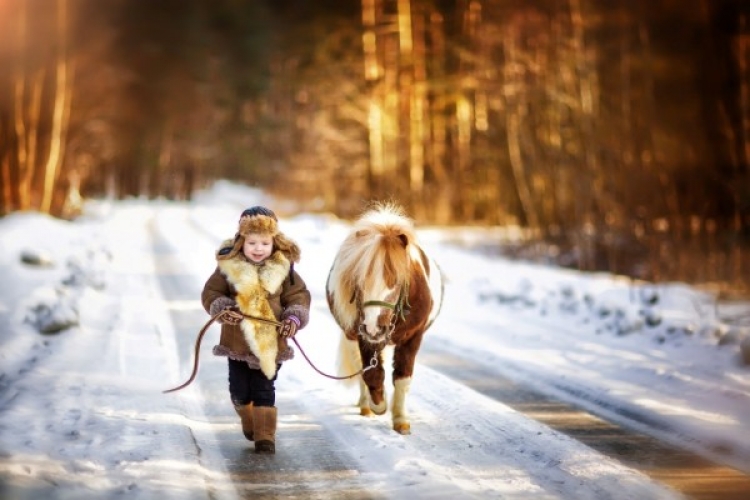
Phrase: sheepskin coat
[269,290]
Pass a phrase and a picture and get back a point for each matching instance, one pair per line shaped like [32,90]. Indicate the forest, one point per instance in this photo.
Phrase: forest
[615,134]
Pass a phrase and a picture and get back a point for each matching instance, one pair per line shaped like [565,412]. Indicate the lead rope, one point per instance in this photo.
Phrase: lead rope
[220,314]
[373,364]
[197,352]
[373,360]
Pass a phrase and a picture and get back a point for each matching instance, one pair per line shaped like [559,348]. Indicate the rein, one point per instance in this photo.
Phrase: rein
[221,314]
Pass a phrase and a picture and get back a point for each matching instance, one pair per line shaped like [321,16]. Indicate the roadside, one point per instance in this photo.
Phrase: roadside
[683,470]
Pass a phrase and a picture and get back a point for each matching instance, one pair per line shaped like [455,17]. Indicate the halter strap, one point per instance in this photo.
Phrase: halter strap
[401,307]
[380,303]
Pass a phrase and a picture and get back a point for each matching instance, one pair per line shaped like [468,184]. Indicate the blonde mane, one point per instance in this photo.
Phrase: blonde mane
[374,256]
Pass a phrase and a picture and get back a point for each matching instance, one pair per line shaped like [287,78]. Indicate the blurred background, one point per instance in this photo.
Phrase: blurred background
[615,134]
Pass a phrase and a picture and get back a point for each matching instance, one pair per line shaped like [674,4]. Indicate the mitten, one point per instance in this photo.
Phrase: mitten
[232,315]
[289,326]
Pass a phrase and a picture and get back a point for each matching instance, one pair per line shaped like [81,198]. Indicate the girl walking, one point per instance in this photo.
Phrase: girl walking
[255,278]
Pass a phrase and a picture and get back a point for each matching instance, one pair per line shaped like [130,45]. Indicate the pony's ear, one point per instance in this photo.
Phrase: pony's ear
[404,239]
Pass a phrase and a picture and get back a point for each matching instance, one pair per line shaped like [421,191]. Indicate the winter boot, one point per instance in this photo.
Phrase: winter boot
[264,429]
[246,416]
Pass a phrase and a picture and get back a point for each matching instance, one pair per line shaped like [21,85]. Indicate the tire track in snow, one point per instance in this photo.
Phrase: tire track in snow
[683,470]
[465,445]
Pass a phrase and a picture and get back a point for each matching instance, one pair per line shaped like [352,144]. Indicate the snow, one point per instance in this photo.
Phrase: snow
[98,316]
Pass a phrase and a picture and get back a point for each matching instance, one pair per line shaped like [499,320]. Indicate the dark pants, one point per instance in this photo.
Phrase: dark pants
[248,385]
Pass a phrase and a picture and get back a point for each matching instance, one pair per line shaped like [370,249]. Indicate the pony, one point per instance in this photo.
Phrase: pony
[383,290]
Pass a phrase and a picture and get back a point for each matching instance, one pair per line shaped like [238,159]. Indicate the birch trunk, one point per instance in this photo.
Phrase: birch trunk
[19,123]
[590,182]
[512,85]
[60,113]
[418,109]
[438,126]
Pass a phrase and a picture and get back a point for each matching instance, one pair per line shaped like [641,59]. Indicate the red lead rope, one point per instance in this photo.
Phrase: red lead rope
[197,352]
[219,315]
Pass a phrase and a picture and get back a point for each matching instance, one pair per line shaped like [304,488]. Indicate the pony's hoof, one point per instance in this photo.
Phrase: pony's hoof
[403,428]
[365,411]
[265,447]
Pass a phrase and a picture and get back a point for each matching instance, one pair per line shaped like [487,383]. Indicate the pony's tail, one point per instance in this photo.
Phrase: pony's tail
[349,360]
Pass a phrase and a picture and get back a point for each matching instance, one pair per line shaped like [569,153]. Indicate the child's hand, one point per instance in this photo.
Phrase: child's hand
[289,327]
[232,315]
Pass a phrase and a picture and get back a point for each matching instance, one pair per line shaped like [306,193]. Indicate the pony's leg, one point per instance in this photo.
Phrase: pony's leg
[404,356]
[374,378]
[401,422]
[350,362]
[364,399]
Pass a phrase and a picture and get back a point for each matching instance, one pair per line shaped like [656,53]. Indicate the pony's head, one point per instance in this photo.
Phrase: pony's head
[373,266]
[381,294]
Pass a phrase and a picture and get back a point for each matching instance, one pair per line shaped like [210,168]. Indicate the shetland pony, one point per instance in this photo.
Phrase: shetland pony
[383,290]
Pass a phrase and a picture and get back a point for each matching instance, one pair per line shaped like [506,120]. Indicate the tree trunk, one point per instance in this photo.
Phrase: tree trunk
[441,192]
[512,85]
[60,113]
[591,181]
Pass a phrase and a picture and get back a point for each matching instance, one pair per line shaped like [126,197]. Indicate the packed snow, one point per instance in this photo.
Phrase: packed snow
[98,316]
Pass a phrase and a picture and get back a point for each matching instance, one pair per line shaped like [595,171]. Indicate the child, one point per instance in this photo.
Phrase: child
[255,277]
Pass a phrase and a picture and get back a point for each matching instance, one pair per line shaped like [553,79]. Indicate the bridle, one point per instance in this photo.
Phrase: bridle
[400,308]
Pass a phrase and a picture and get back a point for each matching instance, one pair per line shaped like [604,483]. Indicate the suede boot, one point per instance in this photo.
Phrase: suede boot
[246,417]
[264,429]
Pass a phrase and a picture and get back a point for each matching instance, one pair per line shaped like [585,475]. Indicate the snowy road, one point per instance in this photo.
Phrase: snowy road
[464,445]
[481,426]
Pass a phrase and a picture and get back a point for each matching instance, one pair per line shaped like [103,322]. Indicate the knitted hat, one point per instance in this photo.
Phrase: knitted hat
[259,220]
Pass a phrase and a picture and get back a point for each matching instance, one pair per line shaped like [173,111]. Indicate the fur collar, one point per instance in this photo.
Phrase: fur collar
[254,283]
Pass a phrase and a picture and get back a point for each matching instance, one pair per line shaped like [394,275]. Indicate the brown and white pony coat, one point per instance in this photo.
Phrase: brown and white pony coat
[383,290]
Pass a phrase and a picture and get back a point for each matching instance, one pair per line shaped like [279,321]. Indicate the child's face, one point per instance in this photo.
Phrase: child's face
[258,247]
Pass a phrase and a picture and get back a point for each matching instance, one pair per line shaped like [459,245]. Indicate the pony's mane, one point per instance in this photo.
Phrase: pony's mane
[376,249]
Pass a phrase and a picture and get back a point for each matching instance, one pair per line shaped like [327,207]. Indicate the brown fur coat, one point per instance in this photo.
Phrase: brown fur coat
[269,291]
